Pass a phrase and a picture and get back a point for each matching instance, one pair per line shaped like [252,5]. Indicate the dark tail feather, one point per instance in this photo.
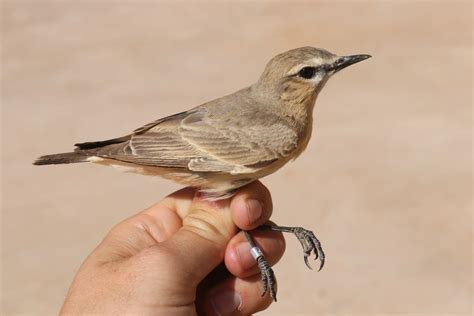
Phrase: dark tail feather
[61,158]
[92,145]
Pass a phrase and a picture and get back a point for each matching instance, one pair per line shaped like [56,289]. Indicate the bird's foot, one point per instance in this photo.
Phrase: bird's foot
[268,277]
[266,272]
[307,239]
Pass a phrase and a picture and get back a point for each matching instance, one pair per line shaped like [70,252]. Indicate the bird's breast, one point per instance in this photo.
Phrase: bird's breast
[304,137]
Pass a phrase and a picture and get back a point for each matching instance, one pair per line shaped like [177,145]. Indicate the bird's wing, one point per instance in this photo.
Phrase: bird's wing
[234,141]
[195,141]
[154,144]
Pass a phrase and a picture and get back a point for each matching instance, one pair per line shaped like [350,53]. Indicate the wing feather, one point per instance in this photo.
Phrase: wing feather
[200,142]
[228,142]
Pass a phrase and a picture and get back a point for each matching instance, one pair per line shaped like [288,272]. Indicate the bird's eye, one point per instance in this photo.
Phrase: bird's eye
[307,72]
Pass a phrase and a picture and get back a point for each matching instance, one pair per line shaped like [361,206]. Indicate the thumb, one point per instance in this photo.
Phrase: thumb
[199,246]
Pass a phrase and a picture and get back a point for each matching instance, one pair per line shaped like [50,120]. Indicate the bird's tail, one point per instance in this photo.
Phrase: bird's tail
[72,157]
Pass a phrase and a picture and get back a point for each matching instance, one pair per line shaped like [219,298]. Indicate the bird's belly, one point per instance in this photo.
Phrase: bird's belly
[215,184]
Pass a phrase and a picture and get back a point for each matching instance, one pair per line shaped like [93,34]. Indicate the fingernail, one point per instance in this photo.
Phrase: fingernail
[254,210]
[244,255]
[225,302]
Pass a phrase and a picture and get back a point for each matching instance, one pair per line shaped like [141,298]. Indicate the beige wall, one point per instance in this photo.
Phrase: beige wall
[385,181]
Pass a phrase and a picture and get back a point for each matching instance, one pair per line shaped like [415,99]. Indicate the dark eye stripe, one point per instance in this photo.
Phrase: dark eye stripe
[307,72]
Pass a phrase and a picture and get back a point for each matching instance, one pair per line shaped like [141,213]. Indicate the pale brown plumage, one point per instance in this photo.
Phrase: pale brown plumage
[224,144]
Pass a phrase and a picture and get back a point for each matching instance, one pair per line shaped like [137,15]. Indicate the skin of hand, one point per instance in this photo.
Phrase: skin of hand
[182,256]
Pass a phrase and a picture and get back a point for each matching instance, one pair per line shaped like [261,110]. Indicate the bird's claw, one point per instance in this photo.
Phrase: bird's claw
[268,277]
[310,244]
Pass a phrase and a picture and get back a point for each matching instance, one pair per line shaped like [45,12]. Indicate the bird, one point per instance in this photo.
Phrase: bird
[227,143]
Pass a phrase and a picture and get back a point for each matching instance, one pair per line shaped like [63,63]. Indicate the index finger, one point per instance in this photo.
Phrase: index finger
[251,206]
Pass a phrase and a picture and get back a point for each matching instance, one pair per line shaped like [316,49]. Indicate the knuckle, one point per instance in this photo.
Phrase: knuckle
[208,226]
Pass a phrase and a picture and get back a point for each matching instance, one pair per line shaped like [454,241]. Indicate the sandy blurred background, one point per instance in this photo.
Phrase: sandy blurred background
[385,182]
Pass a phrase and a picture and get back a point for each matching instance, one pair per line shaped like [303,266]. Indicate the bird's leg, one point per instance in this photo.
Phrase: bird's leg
[308,241]
[266,272]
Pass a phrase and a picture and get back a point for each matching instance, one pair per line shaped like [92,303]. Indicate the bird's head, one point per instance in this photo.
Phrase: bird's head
[299,74]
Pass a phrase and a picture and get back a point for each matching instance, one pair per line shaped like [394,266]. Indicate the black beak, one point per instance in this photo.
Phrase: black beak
[345,61]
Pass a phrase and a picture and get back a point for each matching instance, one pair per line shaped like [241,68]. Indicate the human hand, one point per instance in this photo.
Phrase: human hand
[181,256]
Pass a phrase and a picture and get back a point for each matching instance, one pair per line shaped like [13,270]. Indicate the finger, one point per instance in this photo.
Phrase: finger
[199,245]
[180,201]
[251,206]
[153,225]
[238,258]
[236,296]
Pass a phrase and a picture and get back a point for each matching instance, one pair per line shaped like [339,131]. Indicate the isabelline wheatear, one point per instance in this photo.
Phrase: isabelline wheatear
[229,142]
